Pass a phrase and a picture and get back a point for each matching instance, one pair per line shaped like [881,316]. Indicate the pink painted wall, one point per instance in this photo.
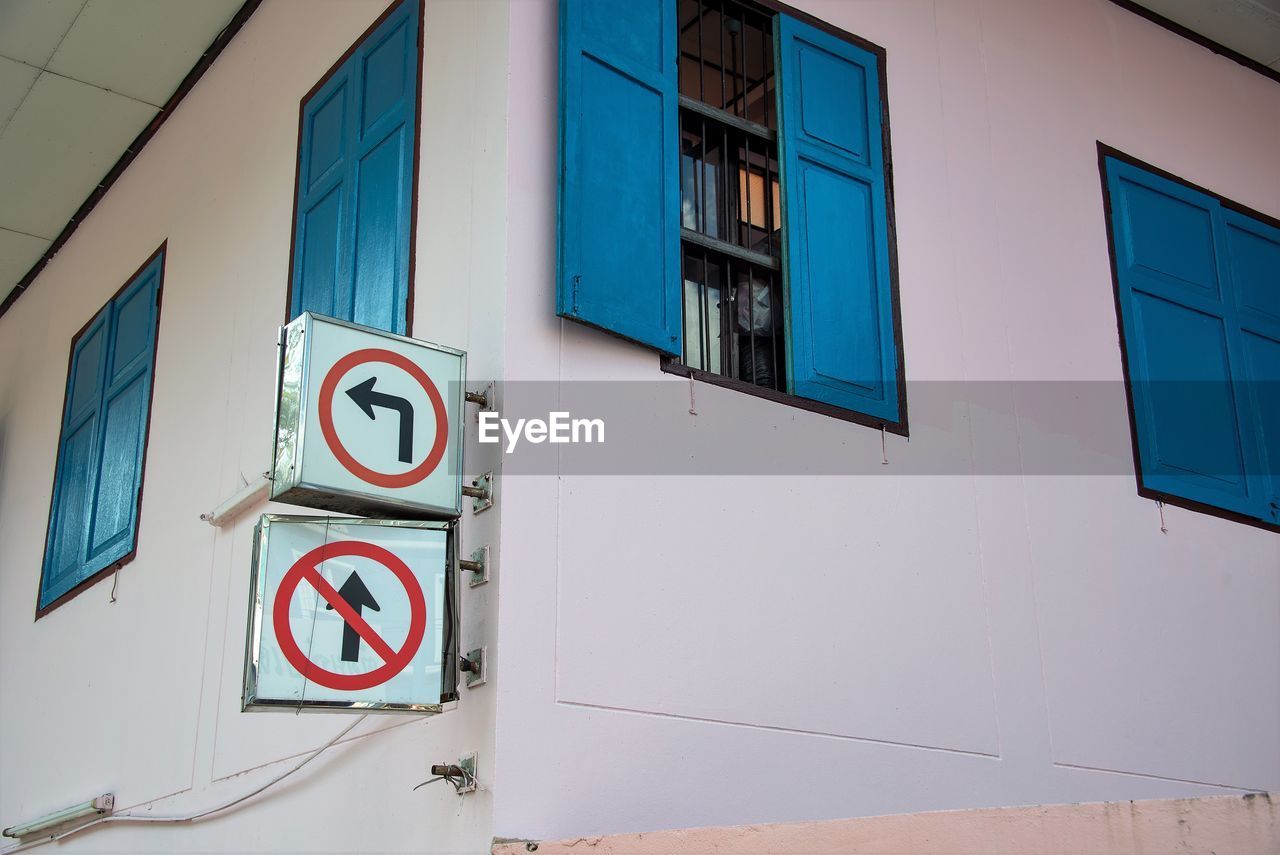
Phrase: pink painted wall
[969,639]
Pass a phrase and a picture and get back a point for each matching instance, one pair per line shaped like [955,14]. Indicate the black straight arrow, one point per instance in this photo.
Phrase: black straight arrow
[366,399]
[359,598]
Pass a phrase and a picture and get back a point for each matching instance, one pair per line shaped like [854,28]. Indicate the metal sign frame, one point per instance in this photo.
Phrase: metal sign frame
[250,702]
[294,348]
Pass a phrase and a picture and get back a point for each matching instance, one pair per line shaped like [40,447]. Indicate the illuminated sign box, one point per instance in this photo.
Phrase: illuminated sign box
[351,614]
[367,422]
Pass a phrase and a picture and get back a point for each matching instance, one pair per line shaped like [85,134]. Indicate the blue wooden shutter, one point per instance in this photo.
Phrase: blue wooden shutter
[355,182]
[66,544]
[1253,256]
[94,517]
[1194,334]
[841,327]
[619,231]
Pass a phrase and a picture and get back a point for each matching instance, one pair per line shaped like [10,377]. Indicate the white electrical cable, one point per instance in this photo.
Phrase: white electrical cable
[193,817]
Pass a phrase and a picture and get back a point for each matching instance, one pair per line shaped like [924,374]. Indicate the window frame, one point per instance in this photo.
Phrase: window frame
[417,153]
[673,364]
[89,581]
[1162,496]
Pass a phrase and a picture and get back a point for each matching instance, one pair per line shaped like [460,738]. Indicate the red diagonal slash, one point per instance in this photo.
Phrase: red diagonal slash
[350,615]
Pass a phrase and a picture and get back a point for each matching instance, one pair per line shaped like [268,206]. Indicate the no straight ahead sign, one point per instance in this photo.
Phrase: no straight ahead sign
[350,614]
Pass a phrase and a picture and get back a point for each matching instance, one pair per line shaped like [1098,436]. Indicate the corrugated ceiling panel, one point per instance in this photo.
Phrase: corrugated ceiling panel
[57,147]
[15,81]
[140,48]
[31,29]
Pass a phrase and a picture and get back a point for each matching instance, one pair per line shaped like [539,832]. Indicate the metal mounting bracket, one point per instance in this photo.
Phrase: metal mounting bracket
[474,668]
[467,763]
[477,565]
[462,775]
[481,493]
[484,399]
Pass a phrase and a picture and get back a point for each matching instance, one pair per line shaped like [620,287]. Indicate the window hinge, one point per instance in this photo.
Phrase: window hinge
[577,281]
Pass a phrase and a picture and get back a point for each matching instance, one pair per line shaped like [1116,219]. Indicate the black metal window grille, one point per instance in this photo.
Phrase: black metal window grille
[729,193]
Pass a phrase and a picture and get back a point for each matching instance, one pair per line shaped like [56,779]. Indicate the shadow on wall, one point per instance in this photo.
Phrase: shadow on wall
[4,417]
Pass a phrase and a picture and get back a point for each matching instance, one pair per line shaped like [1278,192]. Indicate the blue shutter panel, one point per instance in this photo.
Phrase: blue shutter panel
[355,182]
[125,407]
[94,518]
[66,545]
[1253,253]
[619,240]
[841,326]
[1195,418]
[318,264]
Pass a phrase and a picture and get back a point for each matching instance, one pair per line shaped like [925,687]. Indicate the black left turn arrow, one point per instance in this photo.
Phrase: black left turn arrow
[359,598]
[366,399]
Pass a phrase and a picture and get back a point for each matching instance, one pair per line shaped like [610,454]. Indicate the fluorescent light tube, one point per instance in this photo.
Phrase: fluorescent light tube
[100,805]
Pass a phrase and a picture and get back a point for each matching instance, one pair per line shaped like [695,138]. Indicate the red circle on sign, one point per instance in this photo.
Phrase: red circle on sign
[307,567]
[355,467]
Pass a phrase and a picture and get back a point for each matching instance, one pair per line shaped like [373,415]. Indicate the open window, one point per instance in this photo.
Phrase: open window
[725,199]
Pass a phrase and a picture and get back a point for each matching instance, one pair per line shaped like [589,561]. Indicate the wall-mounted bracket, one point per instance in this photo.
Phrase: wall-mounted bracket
[474,668]
[481,493]
[467,763]
[462,775]
[483,398]
[477,565]
[250,494]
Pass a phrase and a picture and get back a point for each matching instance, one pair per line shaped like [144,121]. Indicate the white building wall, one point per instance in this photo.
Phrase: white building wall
[675,651]
[141,697]
[687,651]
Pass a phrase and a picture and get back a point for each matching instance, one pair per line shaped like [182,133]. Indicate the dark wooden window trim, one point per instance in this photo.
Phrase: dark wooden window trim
[671,365]
[1105,151]
[417,152]
[135,148]
[901,427]
[114,567]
